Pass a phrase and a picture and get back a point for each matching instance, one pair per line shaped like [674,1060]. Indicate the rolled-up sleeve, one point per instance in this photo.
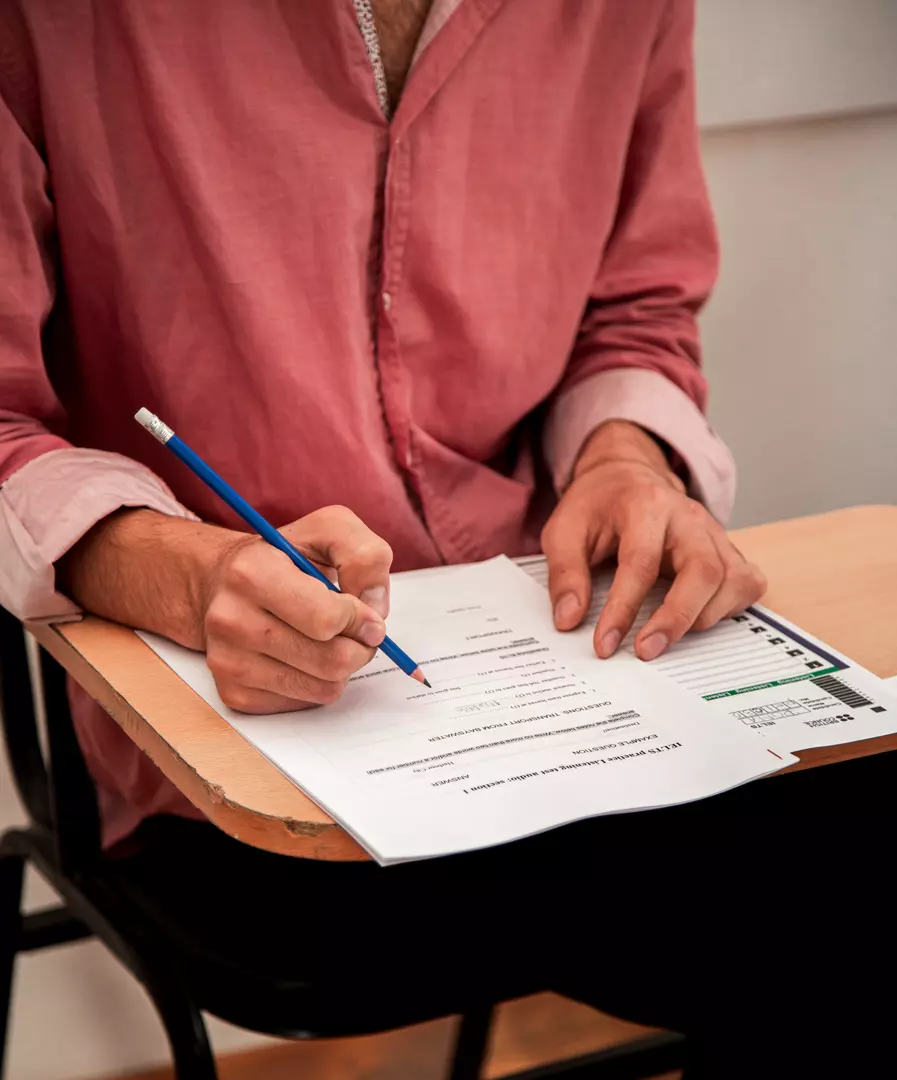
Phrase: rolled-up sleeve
[51,493]
[652,401]
[48,505]
[637,355]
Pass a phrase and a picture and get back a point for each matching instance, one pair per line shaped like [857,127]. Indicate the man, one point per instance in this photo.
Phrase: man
[437,263]
[415,300]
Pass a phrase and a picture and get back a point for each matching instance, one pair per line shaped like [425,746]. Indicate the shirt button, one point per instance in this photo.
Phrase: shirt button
[387,301]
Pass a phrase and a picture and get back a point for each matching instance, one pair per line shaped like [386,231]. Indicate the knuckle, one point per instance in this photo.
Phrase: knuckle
[373,552]
[654,497]
[748,583]
[679,622]
[238,698]
[343,658]
[377,550]
[232,666]
[339,513]
[240,572]
[619,612]
[696,512]
[214,659]
[325,620]
[742,580]
[758,583]
[222,619]
[642,562]
[287,682]
[329,693]
[708,570]
[333,691]
[564,581]
[564,526]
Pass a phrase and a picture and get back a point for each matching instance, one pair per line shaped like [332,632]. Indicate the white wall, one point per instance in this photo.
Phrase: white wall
[770,60]
[801,336]
[801,345]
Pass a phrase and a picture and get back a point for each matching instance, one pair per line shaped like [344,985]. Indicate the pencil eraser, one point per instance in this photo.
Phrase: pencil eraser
[144,416]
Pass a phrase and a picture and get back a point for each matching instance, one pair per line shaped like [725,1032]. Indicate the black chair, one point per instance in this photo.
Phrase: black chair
[62,841]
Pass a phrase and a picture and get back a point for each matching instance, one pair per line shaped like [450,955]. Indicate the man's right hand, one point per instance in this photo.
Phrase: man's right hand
[275,639]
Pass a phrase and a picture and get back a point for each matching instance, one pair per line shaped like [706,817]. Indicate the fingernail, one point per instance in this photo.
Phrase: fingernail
[372,633]
[609,643]
[653,646]
[378,599]
[566,611]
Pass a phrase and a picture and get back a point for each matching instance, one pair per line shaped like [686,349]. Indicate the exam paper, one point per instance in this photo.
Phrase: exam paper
[760,672]
[523,730]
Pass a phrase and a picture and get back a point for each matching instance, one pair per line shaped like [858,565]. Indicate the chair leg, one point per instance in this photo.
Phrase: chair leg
[12,870]
[185,1028]
[471,1044]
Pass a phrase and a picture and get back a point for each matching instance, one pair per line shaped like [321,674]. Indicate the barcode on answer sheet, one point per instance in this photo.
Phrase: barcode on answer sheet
[841,691]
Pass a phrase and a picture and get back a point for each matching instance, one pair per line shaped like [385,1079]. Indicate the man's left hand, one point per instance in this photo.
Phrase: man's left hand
[625,500]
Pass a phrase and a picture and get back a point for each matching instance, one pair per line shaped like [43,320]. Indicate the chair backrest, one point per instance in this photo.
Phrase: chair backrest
[57,791]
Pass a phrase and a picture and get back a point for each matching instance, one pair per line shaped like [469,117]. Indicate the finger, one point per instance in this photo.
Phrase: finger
[255,630]
[638,566]
[361,558]
[696,583]
[257,702]
[236,668]
[265,577]
[571,549]
[742,586]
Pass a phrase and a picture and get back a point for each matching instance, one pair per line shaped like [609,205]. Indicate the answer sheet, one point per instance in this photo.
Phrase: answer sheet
[523,730]
[760,672]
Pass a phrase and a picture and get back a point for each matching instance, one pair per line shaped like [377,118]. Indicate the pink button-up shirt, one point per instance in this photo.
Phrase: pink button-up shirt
[205,210]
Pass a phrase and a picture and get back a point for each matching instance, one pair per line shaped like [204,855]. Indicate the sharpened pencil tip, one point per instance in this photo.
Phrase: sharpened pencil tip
[427,684]
[419,675]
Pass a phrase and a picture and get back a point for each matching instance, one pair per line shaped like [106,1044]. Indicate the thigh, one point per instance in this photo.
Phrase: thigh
[534,912]
[766,938]
[736,918]
[460,916]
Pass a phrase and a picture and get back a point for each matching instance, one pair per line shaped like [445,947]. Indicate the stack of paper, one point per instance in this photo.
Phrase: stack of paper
[525,730]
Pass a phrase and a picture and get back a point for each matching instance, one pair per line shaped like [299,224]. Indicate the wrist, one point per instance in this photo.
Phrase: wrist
[148,570]
[196,555]
[619,442]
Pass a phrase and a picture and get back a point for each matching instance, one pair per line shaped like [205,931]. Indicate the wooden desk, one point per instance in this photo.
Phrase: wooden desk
[835,575]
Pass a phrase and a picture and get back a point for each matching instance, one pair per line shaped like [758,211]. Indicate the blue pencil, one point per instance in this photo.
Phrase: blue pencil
[255,520]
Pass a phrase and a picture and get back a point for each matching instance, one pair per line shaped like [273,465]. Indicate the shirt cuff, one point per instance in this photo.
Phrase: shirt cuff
[650,400]
[49,504]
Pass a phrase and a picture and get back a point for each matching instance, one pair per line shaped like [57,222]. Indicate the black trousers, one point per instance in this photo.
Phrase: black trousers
[759,923]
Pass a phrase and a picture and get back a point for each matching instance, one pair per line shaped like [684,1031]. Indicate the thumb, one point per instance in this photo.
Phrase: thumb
[567,543]
[337,538]
[360,621]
